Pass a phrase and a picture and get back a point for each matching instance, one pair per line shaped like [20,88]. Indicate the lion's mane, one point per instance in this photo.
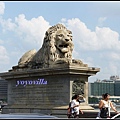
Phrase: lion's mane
[50,52]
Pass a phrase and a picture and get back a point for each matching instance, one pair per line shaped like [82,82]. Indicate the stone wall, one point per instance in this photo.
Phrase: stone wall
[55,92]
[44,88]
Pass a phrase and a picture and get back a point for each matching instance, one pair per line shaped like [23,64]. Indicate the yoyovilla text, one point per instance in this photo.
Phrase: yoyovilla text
[31,82]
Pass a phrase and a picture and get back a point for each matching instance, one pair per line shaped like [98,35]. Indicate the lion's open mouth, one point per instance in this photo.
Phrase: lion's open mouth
[63,46]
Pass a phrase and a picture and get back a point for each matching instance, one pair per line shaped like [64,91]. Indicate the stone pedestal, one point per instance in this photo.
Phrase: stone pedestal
[45,90]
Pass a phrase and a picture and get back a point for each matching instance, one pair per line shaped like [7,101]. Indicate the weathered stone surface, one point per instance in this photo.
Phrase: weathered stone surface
[56,92]
[56,50]
[26,58]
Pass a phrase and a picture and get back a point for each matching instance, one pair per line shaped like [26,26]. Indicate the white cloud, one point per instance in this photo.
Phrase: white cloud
[114,56]
[7,24]
[101,38]
[2,7]
[23,35]
[107,39]
[32,31]
[29,32]
[63,20]
[4,59]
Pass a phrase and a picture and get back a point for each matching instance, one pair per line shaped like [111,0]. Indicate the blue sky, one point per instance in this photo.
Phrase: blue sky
[95,27]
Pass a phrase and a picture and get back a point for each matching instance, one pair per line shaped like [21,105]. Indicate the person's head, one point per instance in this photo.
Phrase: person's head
[75,97]
[106,96]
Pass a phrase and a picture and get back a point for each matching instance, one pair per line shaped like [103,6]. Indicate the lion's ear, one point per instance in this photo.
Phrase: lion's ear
[46,37]
[46,34]
[69,31]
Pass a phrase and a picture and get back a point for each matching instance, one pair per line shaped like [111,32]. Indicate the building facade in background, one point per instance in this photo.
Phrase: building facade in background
[111,86]
[3,90]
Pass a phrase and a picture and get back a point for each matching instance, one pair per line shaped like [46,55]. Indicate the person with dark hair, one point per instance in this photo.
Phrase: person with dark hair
[75,106]
[69,111]
[105,105]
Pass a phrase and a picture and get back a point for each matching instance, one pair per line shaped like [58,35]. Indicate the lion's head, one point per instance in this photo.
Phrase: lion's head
[57,47]
[60,41]
[63,41]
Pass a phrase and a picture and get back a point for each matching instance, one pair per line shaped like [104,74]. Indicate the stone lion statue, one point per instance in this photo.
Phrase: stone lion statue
[56,49]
